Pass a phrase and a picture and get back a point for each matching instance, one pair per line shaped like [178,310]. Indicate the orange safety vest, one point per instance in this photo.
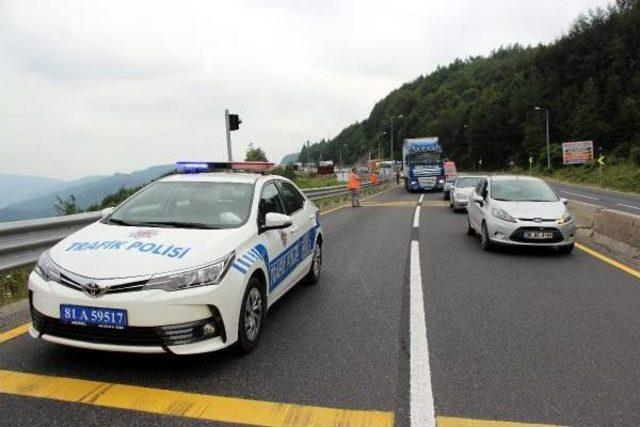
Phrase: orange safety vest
[354,181]
[374,179]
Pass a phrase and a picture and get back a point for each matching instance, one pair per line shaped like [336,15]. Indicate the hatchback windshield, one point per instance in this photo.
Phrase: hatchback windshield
[522,190]
[470,181]
[187,205]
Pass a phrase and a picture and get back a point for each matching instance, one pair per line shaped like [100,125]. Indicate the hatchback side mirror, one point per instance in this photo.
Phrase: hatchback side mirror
[276,221]
[106,212]
[564,201]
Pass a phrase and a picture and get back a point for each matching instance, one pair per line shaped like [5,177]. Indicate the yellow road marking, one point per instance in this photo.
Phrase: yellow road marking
[349,204]
[12,333]
[470,422]
[191,405]
[397,204]
[610,261]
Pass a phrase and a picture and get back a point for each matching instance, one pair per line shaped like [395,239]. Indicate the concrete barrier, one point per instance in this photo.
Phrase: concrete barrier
[618,232]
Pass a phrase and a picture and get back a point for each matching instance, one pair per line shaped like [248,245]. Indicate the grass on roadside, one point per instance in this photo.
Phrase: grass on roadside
[622,177]
[13,284]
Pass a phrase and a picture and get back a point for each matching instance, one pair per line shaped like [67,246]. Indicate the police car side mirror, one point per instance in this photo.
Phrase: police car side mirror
[478,199]
[106,212]
[276,221]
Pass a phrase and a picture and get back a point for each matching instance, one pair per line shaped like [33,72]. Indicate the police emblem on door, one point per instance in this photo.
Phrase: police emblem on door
[283,238]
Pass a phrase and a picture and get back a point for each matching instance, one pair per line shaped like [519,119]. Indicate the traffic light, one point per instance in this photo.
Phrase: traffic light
[234,122]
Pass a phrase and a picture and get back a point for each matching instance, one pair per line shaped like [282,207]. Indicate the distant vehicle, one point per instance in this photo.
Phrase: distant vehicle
[522,211]
[461,188]
[450,176]
[189,264]
[423,164]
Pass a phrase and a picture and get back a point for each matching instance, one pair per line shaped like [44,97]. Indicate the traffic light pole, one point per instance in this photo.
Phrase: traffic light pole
[226,123]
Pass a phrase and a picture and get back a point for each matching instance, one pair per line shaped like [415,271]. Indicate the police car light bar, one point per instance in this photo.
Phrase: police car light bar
[206,167]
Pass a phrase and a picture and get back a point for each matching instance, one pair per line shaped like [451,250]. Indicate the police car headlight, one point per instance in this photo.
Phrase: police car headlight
[46,268]
[211,274]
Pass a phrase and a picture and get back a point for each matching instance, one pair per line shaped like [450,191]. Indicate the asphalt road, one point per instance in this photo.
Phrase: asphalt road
[610,199]
[527,336]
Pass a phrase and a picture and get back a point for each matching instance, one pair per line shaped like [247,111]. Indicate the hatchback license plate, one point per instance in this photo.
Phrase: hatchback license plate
[97,316]
[538,235]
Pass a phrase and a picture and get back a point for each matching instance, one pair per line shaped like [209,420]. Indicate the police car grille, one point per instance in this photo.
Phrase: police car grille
[116,289]
[157,336]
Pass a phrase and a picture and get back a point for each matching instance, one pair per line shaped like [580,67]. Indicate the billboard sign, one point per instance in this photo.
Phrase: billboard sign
[575,153]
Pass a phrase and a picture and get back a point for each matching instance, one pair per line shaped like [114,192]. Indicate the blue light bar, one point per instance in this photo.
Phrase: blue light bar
[201,167]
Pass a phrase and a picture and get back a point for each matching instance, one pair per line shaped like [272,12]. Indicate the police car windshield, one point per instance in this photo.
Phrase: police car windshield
[176,204]
[520,190]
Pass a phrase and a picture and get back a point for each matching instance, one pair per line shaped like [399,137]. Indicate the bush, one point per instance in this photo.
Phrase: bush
[634,155]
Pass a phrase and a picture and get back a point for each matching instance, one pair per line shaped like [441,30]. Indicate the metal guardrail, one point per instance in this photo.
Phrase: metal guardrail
[22,242]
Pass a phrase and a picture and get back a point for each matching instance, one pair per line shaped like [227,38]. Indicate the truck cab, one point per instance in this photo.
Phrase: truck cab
[423,164]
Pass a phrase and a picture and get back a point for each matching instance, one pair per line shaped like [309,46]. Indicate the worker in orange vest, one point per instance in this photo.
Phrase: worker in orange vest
[374,179]
[354,188]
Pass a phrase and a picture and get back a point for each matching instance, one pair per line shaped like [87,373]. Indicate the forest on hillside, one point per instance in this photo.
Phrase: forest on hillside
[484,107]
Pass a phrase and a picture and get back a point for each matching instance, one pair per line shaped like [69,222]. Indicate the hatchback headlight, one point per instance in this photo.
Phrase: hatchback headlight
[502,214]
[210,274]
[566,218]
[46,269]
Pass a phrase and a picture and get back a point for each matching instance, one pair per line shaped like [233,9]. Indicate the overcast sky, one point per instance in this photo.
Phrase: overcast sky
[92,87]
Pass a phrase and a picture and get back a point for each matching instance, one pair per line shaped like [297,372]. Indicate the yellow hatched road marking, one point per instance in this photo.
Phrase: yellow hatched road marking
[183,404]
[610,261]
[470,422]
[349,204]
[12,333]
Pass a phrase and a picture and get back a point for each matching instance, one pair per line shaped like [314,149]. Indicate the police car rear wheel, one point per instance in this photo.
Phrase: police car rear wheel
[251,316]
[316,265]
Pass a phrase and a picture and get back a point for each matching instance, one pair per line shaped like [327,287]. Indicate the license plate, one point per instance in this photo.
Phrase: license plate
[539,235]
[113,318]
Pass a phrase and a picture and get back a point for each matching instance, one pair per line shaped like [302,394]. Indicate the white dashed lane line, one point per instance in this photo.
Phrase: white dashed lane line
[584,196]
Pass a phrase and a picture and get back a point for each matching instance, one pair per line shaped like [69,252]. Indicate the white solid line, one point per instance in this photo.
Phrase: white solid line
[422,412]
[416,218]
[579,195]
[628,206]
[421,198]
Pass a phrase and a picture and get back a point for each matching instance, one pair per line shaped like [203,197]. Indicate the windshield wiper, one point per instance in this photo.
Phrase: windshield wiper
[178,224]
[121,222]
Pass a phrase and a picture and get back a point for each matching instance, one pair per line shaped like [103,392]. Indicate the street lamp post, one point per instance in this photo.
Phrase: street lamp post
[393,120]
[379,147]
[548,148]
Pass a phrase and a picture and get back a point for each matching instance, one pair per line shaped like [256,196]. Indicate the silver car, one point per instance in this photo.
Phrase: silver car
[518,210]
[461,189]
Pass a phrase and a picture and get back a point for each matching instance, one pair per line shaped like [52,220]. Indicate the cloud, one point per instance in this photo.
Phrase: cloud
[99,87]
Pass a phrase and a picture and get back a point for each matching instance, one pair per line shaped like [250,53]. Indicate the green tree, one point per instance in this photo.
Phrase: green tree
[255,154]
[66,206]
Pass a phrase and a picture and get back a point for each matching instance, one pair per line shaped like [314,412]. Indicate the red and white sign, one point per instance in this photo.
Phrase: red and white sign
[575,153]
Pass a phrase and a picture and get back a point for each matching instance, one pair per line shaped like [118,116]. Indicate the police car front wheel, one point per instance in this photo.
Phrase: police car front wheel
[316,265]
[251,316]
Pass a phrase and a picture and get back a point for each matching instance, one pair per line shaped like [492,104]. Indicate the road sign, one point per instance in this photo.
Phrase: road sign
[576,153]
[601,160]
[530,160]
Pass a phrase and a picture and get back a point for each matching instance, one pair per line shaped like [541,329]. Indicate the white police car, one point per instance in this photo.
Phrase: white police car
[189,264]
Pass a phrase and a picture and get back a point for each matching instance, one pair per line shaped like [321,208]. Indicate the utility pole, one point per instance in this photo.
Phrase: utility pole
[548,145]
[231,123]
[226,123]
[393,120]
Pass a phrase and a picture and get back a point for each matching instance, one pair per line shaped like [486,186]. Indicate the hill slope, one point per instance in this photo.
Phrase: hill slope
[483,107]
[14,188]
[87,191]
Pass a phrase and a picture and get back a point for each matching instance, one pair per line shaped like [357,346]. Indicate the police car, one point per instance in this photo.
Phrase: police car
[189,264]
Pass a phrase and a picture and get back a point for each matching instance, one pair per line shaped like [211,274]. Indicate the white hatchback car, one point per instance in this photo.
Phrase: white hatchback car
[518,210]
[189,264]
